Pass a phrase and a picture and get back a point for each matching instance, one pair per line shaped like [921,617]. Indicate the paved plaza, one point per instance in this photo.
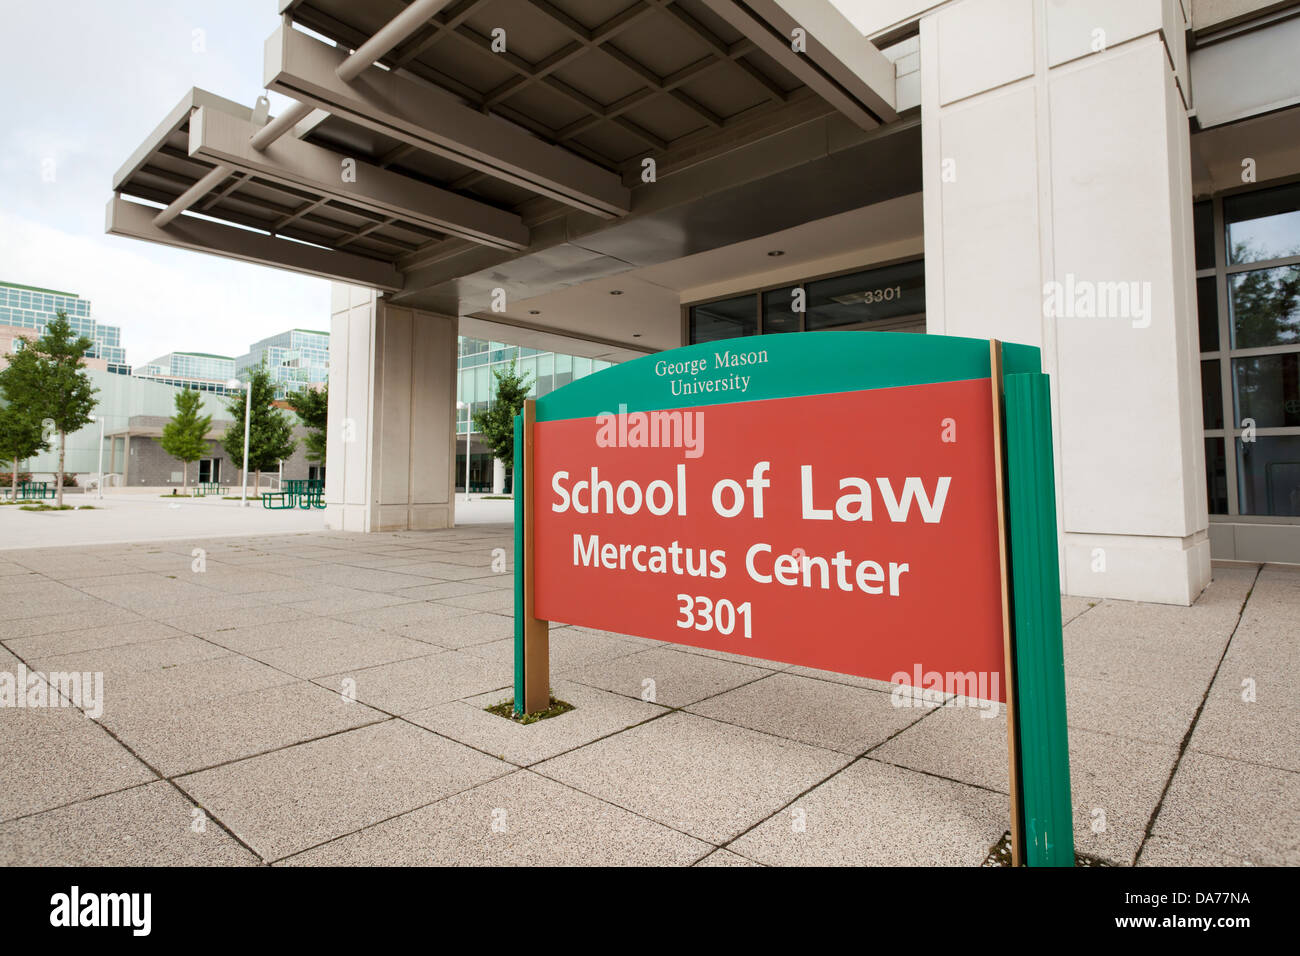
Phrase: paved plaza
[229,733]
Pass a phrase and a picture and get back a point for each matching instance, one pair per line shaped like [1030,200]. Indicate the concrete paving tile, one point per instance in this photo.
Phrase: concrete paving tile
[868,683]
[150,825]
[1123,778]
[596,714]
[1161,716]
[96,615]
[1242,812]
[722,857]
[954,742]
[705,778]
[319,656]
[445,589]
[398,616]
[1265,731]
[132,697]
[124,658]
[30,722]
[517,820]
[462,631]
[42,772]
[329,601]
[209,622]
[671,677]
[362,579]
[250,639]
[422,682]
[217,730]
[440,571]
[873,814]
[1072,607]
[486,601]
[91,638]
[287,801]
[1158,851]
[821,713]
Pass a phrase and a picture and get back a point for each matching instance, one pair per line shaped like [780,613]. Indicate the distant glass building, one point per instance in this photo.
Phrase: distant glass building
[202,371]
[295,359]
[29,307]
[476,387]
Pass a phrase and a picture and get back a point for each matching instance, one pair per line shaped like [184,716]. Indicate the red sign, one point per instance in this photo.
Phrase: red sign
[854,532]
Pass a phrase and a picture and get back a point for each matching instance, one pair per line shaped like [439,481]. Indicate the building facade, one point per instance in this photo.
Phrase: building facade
[1111,181]
[25,311]
[298,358]
[477,364]
[202,371]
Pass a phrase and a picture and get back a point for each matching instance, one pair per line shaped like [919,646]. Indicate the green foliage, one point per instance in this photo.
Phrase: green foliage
[312,409]
[497,421]
[185,436]
[20,437]
[47,379]
[270,434]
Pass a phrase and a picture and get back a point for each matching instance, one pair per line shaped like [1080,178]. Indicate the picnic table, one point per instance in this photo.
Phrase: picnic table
[207,488]
[297,493]
[31,489]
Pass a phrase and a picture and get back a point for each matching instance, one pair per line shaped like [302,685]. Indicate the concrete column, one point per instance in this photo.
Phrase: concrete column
[498,476]
[1058,213]
[392,405]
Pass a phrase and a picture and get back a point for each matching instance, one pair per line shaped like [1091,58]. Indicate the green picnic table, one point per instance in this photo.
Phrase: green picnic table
[298,493]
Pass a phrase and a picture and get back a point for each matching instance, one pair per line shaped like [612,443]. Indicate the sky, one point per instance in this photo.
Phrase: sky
[88,83]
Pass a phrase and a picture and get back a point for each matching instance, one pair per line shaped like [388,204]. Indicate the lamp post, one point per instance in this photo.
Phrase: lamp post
[248,414]
[469,431]
[99,485]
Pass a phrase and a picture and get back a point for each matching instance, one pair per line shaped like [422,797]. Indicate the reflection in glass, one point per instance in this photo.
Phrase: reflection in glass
[881,297]
[779,313]
[1211,394]
[1216,476]
[1268,389]
[1203,230]
[1264,224]
[1207,314]
[728,319]
[1268,475]
[1265,306]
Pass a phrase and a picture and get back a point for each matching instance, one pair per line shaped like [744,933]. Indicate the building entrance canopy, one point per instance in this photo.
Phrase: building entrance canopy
[435,139]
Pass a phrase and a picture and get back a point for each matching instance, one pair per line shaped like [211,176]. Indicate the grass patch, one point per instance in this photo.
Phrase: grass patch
[178,496]
[506,709]
[1000,855]
[233,497]
[43,507]
[497,498]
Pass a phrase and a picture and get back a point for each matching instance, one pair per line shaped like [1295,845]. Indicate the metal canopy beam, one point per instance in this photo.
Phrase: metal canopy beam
[135,221]
[225,140]
[304,68]
[840,64]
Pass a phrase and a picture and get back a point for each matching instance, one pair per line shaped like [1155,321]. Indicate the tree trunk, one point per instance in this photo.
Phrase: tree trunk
[62,451]
[14,494]
[185,479]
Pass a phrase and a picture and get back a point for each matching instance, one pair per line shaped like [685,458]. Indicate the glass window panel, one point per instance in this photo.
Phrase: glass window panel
[1211,394]
[867,297]
[1268,389]
[778,309]
[1216,476]
[581,366]
[728,319]
[1268,475]
[1264,224]
[1203,230]
[1265,307]
[1207,313]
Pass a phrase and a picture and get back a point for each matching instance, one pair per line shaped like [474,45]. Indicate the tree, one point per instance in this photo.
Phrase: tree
[312,408]
[185,437]
[47,379]
[497,421]
[270,432]
[21,436]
